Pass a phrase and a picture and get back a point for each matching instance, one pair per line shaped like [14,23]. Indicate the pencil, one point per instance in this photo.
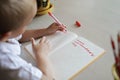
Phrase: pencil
[117,58]
[118,65]
[114,53]
[118,40]
[56,20]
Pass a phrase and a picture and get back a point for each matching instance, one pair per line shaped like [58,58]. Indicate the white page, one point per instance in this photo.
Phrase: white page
[71,59]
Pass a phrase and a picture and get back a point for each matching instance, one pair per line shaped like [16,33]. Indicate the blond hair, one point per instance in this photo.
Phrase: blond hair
[13,13]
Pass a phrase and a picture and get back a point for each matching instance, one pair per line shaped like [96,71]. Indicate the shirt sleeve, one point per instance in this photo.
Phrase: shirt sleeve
[18,69]
[29,72]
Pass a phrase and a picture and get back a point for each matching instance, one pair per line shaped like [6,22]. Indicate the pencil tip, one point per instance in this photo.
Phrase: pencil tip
[118,37]
[50,13]
[112,43]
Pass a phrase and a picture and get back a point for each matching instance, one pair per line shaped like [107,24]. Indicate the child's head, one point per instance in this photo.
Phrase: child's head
[15,14]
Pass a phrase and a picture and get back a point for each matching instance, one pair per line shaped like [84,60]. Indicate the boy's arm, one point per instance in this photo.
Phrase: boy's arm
[33,33]
[45,66]
[37,33]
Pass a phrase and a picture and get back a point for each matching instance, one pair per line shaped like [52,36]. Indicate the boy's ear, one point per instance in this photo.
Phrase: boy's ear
[6,36]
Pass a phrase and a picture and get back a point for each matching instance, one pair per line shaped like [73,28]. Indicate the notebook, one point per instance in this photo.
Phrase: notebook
[70,54]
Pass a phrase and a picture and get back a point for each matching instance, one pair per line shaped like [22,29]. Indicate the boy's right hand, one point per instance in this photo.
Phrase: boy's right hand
[55,27]
[42,48]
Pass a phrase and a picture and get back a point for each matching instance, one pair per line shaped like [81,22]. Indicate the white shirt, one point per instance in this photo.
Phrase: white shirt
[12,67]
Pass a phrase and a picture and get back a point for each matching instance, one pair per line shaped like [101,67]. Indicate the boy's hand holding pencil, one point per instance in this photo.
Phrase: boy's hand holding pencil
[57,21]
[53,28]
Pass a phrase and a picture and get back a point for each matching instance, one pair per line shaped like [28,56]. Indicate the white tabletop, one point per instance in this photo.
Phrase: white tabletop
[99,19]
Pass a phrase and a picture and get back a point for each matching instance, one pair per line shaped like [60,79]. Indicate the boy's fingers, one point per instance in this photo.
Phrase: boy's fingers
[64,25]
[42,39]
[33,41]
[62,29]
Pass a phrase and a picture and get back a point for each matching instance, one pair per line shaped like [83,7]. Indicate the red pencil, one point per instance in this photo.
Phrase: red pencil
[57,21]
[118,40]
[117,58]
[114,52]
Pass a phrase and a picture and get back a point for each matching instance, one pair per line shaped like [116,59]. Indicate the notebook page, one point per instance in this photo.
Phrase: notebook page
[72,58]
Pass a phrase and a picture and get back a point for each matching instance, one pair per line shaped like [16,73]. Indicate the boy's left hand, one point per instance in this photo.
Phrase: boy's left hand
[55,27]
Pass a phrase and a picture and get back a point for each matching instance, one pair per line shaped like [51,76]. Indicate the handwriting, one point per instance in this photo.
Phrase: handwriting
[82,44]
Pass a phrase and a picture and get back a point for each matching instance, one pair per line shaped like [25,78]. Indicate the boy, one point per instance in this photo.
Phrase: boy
[14,16]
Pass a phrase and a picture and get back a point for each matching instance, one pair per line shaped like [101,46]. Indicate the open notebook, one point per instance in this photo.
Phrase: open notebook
[70,54]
